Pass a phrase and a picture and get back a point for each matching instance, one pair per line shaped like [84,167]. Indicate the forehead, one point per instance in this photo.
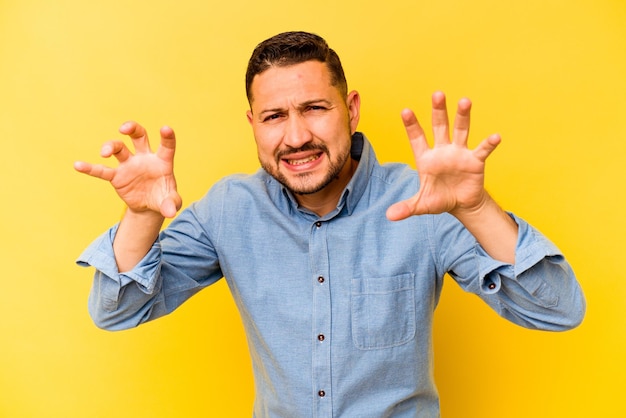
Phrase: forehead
[298,82]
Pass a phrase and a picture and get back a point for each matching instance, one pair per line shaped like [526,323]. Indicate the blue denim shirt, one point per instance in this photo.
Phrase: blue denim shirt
[338,310]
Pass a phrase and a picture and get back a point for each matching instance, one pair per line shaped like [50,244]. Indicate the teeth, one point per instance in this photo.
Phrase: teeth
[304,160]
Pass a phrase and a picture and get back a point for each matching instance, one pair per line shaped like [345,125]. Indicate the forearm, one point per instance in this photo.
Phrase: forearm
[117,303]
[546,296]
[539,291]
[134,238]
[158,283]
[493,228]
[120,301]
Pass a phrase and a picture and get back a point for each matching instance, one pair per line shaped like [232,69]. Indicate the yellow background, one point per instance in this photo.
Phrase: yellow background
[549,75]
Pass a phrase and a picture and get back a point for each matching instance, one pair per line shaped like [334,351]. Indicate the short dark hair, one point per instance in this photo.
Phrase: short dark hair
[289,48]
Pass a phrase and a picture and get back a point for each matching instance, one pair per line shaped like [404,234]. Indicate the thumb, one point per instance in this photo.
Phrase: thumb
[399,211]
[170,205]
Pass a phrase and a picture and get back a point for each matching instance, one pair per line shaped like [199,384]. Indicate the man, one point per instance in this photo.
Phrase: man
[335,261]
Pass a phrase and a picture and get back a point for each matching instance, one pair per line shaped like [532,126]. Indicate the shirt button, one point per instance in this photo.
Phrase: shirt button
[318,224]
[492,286]
[320,279]
[321,393]
[321,337]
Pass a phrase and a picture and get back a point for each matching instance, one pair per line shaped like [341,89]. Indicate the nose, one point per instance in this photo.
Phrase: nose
[297,132]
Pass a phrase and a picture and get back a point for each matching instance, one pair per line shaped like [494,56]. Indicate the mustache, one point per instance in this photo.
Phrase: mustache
[306,147]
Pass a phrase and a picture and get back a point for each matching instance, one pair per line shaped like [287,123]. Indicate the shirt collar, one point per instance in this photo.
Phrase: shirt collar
[362,152]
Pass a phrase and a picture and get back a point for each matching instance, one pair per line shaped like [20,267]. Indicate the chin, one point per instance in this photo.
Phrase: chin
[306,187]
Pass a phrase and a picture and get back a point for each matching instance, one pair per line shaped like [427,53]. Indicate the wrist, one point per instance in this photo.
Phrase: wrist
[482,206]
[492,228]
[135,235]
[147,216]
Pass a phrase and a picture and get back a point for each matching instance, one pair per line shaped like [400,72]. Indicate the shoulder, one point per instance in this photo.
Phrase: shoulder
[396,179]
[236,191]
[241,184]
[231,200]
[394,172]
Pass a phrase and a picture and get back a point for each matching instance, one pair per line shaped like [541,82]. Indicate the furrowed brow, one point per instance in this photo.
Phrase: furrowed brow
[314,102]
[274,110]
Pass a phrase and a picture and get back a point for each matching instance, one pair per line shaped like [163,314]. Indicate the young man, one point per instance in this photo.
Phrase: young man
[335,261]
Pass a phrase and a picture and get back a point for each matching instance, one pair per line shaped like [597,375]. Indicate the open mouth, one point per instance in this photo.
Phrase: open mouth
[301,161]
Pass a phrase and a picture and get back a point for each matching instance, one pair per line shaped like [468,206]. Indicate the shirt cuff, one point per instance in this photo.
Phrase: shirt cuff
[531,248]
[99,254]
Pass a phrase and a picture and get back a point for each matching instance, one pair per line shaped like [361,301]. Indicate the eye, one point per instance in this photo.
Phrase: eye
[271,117]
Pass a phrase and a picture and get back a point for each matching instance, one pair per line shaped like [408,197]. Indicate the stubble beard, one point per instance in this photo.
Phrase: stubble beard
[303,184]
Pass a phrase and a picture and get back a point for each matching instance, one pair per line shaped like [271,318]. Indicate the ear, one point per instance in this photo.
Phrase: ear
[353,101]
[249,116]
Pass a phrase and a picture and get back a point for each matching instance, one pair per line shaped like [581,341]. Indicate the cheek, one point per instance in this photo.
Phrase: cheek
[333,127]
[262,149]
[266,147]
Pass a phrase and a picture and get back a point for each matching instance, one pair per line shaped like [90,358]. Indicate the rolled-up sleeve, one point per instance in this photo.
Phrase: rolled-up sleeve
[122,300]
[180,263]
[539,291]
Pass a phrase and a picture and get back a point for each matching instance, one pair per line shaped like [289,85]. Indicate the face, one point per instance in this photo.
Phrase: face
[303,125]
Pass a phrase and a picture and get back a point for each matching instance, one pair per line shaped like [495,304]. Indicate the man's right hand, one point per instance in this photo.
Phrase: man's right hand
[144,180]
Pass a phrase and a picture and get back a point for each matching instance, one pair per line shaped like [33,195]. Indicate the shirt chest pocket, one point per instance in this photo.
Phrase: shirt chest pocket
[383,311]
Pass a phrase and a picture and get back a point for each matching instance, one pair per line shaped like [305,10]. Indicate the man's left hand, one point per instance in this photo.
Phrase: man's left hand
[451,174]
